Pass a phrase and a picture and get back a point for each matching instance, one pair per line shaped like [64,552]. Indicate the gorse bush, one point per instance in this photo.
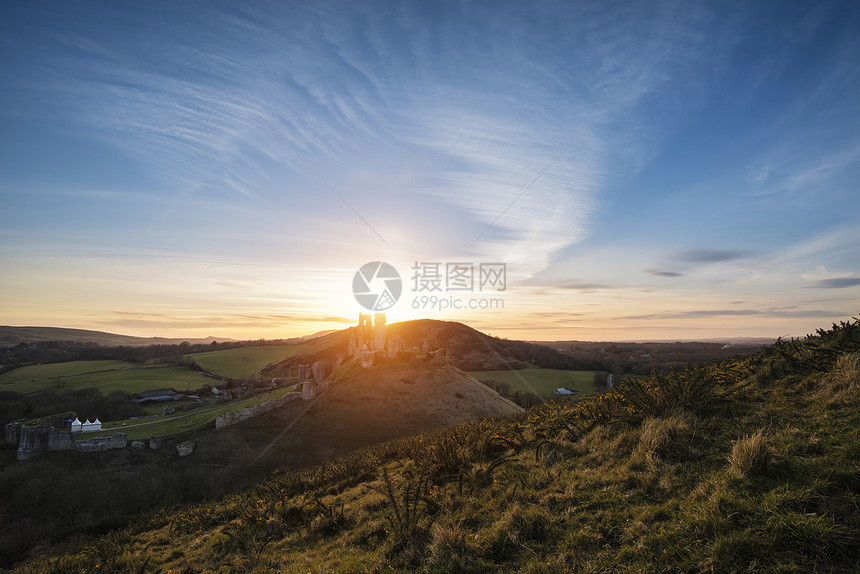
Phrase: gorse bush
[410,508]
[693,390]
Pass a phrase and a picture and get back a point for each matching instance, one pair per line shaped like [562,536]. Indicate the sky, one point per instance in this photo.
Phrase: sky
[643,170]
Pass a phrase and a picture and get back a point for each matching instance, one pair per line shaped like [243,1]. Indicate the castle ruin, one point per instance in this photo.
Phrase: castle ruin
[314,378]
[35,439]
[368,339]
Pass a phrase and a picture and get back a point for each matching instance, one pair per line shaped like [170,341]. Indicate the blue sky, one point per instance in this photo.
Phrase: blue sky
[659,170]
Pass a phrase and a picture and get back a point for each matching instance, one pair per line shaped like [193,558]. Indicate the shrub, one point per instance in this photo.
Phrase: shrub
[408,502]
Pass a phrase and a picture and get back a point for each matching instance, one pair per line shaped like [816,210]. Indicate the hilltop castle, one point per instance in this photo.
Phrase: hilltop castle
[368,339]
[369,335]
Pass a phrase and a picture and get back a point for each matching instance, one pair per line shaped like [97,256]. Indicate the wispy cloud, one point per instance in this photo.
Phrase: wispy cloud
[837,283]
[712,255]
[657,273]
[184,321]
[585,286]
[478,129]
[702,314]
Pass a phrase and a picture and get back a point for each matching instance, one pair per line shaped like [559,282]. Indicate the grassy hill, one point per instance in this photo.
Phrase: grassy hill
[35,377]
[13,335]
[466,348]
[739,465]
[365,407]
[369,406]
[244,361]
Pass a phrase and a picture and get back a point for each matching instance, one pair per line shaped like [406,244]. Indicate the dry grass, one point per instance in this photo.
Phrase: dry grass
[451,547]
[841,386]
[750,455]
[668,438]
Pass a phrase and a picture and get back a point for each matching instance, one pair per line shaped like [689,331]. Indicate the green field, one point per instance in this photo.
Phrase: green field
[105,376]
[245,361]
[136,429]
[542,382]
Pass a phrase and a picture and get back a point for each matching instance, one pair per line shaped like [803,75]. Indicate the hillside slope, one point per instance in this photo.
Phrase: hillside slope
[736,466]
[365,408]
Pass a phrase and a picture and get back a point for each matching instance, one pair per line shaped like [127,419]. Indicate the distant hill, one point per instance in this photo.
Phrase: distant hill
[10,336]
[318,334]
[642,358]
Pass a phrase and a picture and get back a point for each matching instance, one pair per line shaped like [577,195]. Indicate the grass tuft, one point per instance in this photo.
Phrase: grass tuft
[841,386]
[750,455]
[451,548]
[669,438]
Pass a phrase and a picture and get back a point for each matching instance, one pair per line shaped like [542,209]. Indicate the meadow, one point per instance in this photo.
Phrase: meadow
[542,382]
[181,422]
[243,362]
[111,375]
[33,383]
[106,376]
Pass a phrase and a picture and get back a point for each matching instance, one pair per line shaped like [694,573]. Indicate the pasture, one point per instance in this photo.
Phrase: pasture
[105,376]
[542,382]
[181,422]
[243,362]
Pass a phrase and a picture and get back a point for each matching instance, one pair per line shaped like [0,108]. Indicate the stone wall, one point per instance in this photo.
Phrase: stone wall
[12,432]
[309,391]
[117,440]
[227,419]
[36,439]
